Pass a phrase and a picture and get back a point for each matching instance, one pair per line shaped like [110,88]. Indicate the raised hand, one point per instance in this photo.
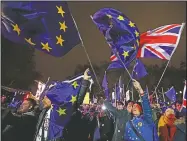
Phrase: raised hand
[86,76]
[138,87]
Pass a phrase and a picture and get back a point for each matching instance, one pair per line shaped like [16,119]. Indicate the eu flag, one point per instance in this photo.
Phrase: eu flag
[63,96]
[171,94]
[139,70]
[120,32]
[46,26]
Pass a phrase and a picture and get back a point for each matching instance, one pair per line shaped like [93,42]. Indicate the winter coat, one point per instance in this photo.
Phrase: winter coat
[143,124]
[106,128]
[121,117]
[166,132]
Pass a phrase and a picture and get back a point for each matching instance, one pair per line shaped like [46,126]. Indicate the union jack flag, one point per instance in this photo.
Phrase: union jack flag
[113,58]
[184,96]
[160,42]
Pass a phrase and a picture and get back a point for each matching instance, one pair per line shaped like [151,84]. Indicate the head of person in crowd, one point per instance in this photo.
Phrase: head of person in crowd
[87,106]
[137,109]
[169,116]
[120,105]
[158,115]
[46,102]
[3,99]
[27,105]
[178,105]
[92,111]
[129,106]
[173,106]
[157,105]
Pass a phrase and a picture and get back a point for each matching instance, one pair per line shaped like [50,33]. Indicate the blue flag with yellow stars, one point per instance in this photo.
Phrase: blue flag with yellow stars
[47,26]
[139,70]
[171,94]
[63,96]
[120,32]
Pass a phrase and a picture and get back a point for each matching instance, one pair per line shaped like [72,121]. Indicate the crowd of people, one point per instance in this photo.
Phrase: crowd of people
[101,121]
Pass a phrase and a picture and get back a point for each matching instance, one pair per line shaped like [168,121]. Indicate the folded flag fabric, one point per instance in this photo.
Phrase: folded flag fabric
[46,26]
[120,32]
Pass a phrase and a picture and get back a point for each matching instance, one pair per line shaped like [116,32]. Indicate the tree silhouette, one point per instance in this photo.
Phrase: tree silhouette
[18,67]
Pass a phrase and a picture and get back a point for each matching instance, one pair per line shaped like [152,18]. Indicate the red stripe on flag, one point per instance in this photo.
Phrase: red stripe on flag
[184,103]
[156,52]
[170,39]
[167,27]
[138,55]
[112,57]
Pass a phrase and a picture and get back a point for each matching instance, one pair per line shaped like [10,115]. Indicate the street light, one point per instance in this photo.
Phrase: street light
[180,92]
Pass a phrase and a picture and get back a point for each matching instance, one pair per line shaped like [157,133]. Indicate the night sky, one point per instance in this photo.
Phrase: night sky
[146,15]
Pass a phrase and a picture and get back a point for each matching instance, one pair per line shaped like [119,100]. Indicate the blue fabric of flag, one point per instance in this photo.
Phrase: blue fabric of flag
[171,94]
[46,26]
[63,96]
[139,70]
[120,32]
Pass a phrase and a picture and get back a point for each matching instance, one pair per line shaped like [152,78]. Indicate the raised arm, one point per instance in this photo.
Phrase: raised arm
[147,112]
[83,89]
[110,108]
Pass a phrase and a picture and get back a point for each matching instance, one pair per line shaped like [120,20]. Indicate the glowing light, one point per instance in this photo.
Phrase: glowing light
[103,108]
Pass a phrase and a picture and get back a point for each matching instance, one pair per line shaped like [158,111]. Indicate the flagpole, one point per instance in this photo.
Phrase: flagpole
[132,95]
[128,84]
[115,95]
[87,54]
[163,95]
[156,96]
[180,32]
[123,94]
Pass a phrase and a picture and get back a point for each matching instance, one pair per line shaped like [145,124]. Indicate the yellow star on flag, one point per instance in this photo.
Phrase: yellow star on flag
[61,111]
[59,40]
[125,54]
[63,26]
[75,85]
[46,46]
[109,16]
[73,99]
[16,28]
[29,41]
[60,10]
[136,33]
[121,18]
[131,24]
